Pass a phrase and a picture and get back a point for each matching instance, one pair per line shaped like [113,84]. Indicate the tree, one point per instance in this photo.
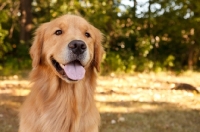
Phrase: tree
[26,20]
[163,36]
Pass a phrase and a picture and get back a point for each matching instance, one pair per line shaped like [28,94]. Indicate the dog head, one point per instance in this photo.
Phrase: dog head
[69,45]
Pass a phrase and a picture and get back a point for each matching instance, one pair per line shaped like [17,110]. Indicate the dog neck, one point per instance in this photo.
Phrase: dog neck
[61,98]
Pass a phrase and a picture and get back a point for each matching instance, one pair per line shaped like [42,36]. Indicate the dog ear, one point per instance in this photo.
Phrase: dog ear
[36,48]
[98,49]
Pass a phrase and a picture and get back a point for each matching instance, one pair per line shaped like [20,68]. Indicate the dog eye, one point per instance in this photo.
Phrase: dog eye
[87,34]
[58,32]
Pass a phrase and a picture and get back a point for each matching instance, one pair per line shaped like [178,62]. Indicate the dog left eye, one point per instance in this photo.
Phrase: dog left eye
[87,34]
[58,32]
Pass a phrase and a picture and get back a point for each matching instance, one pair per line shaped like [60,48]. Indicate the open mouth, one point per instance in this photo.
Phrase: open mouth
[73,70]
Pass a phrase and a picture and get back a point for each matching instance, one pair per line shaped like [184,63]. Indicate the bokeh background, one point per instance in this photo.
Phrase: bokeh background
[150,72]
[140,35]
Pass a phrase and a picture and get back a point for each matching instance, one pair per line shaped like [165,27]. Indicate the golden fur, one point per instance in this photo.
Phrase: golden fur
[56,103]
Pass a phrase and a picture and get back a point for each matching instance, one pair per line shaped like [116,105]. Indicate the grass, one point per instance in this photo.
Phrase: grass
[128,103]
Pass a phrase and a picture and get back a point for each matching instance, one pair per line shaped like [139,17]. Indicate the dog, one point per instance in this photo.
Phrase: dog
[66,55]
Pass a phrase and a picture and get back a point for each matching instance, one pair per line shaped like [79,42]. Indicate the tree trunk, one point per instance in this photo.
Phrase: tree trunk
[26,20]
[134,9]
[149,21]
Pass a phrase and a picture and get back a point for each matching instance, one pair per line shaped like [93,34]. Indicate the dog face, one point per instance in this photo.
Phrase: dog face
[69,45]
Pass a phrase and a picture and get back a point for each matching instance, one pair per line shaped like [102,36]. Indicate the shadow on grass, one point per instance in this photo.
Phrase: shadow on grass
[9,109]
[138,117]
[162,117]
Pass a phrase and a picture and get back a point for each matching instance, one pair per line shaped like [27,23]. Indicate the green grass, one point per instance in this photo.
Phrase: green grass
[163,120]
[131,103]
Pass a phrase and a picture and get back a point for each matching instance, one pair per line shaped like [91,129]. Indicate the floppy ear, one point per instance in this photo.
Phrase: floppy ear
[98,49]
[36,48]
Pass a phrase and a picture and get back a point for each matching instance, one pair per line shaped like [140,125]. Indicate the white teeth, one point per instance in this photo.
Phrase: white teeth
[61,65]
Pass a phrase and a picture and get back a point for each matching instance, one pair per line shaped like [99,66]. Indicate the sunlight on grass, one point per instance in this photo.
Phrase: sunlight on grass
[139,103]
[145,102]
[15,87]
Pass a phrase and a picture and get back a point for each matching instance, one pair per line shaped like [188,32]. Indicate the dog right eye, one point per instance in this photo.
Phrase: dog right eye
[58,32]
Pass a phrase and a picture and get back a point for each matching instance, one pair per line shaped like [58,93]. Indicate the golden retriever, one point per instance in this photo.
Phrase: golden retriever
[66,55]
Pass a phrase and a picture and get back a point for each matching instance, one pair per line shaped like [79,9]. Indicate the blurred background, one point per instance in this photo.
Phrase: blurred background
[140,35]
[150,73]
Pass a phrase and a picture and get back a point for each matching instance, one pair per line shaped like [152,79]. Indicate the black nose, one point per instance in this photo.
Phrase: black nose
[77,46]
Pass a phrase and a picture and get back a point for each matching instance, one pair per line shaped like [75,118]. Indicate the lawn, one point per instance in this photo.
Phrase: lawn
[128,103]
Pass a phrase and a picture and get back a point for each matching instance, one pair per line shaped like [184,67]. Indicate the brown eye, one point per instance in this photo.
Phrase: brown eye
[87,34]
[58,32]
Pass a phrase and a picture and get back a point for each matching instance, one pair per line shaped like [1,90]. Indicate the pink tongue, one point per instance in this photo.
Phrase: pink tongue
[74,71]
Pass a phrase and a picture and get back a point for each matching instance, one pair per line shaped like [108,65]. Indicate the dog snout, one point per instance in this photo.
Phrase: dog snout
[77,47]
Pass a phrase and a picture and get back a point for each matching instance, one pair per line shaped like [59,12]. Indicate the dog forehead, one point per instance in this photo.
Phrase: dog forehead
[70,20]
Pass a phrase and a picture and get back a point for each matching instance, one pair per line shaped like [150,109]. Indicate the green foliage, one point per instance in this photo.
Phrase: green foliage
[165,36]
[115,62]
[3,47]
